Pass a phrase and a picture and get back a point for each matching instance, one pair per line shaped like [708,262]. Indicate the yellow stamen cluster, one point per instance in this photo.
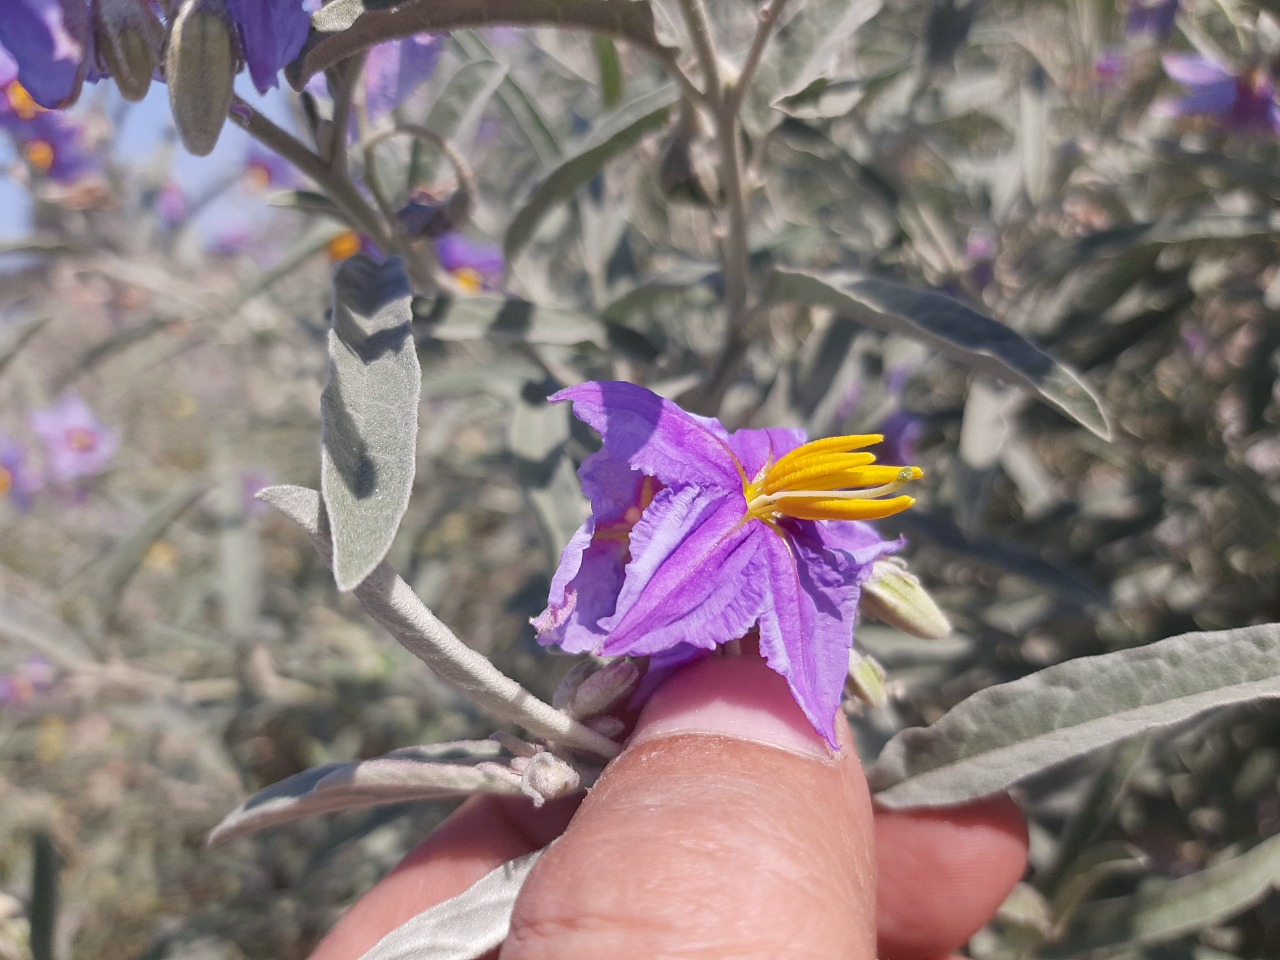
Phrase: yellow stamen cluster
[469,279]
[827,480]
[39,154]
[20,102]
[343,246]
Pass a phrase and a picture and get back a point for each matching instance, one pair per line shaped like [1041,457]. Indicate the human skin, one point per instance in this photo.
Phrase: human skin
[727,830]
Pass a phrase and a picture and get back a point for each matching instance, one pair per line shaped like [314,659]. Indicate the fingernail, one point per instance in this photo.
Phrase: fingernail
[738,697]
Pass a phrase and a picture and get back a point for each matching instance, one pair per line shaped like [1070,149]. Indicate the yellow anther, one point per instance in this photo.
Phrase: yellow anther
[39,154]
[20,101]
[823,480]
[469,279]
[344,245]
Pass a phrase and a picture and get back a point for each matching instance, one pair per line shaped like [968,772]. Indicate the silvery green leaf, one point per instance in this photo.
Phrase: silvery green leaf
[14,343]
[984,344]
[1034,135]
[455,113]
[1005,733]
[523,113]
[412,773]
[804,50]
[1164,909]
[505,320]
[463,927]
[1159,233]
[369,409]
[342,28]
[614,134]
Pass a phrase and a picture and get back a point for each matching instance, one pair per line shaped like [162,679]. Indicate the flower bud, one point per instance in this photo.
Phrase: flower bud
[866,679]
[569,683]
[129,37]
[601,691]
[200,67]
[544,776]
[894,596]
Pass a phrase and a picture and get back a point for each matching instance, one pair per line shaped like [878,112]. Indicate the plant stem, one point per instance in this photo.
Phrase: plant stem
[764,31]
[695,18]
[338,185]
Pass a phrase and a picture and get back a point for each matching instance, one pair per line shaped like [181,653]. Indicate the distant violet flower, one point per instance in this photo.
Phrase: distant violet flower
[77,443]
[476,264]
[698,536]
[172,204]
[33,676]
[18,482]
[394,71]
[50,42]
[264,169]
[271,34]
[1245,102]
[53,144]
[1151,18]
[1110,68]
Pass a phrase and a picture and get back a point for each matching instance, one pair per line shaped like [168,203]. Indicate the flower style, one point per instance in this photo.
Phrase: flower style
[1244,102]
[77,443]
[698,536]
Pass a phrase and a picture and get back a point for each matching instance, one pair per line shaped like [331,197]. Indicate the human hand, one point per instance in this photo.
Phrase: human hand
[727,829]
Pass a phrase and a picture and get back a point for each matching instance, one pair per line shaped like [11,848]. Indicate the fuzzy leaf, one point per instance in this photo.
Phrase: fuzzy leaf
[456,112]
[411,773]
[537,436]
[345,27]
[463,927]
[614,134]
[974,339]
[1005,733]
[1164,909]
[370,413]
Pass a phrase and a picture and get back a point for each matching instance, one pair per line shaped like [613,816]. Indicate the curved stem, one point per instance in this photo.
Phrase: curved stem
[695,18]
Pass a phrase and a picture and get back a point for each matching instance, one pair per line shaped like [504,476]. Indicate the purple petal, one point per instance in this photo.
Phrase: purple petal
[49,41]
[583,592]
[1216,98]
[1193,70]
[759,448]
[394,71]
[655,436]
[694,575]
[272,33]
[806,630]
[618,492]
[77,444]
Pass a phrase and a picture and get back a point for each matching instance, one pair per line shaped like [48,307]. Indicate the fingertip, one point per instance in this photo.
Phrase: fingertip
[944,873]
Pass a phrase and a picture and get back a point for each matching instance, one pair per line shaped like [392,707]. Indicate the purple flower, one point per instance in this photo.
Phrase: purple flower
[53,144]
[172,204]
[264,169]
[34,676]
[1110,68]
[1151,18]
[50,42]
[77,443]
[18,482]
[476,264]
[1245,102]
[698,536]
[272,33]
[394,71]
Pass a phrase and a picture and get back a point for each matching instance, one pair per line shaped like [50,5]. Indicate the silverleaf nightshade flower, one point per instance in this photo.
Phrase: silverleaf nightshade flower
[698,536]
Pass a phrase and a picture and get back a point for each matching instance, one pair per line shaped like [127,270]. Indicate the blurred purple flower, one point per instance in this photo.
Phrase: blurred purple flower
[49,40]
[272,33]
[1151,18]
[33,676]
[394,71]
[53,144]
[77,443]
[476,264]
[172,204]
[698,536]
[264,169]
[18,482]
[1244,102]
[1110,68]
[980,250]
[901,431]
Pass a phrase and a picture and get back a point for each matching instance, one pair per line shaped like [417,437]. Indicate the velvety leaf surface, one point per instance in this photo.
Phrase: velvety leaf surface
[505,320]
[370,413]
[959,331]
[614,134]
[465,926]
[1005,733]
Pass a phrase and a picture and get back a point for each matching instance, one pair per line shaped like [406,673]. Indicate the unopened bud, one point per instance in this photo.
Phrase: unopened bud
[129,37]
[200,67]
[545,776]
[570,682]
[867,679]
[894,596]
[604,689]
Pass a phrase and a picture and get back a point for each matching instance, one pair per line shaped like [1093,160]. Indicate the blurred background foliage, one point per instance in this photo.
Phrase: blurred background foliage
[168,646]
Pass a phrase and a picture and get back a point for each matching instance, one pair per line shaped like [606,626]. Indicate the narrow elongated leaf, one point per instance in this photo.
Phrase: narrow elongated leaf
[612,79]
[1005,733]
[616,133]
[370,415]
[345,27]
[505,320]
[1159,233]
[411,773]
[463,927]
[520,108]
[537,436]
[13,345]
[456,112]
[959,331]
[1165,909]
